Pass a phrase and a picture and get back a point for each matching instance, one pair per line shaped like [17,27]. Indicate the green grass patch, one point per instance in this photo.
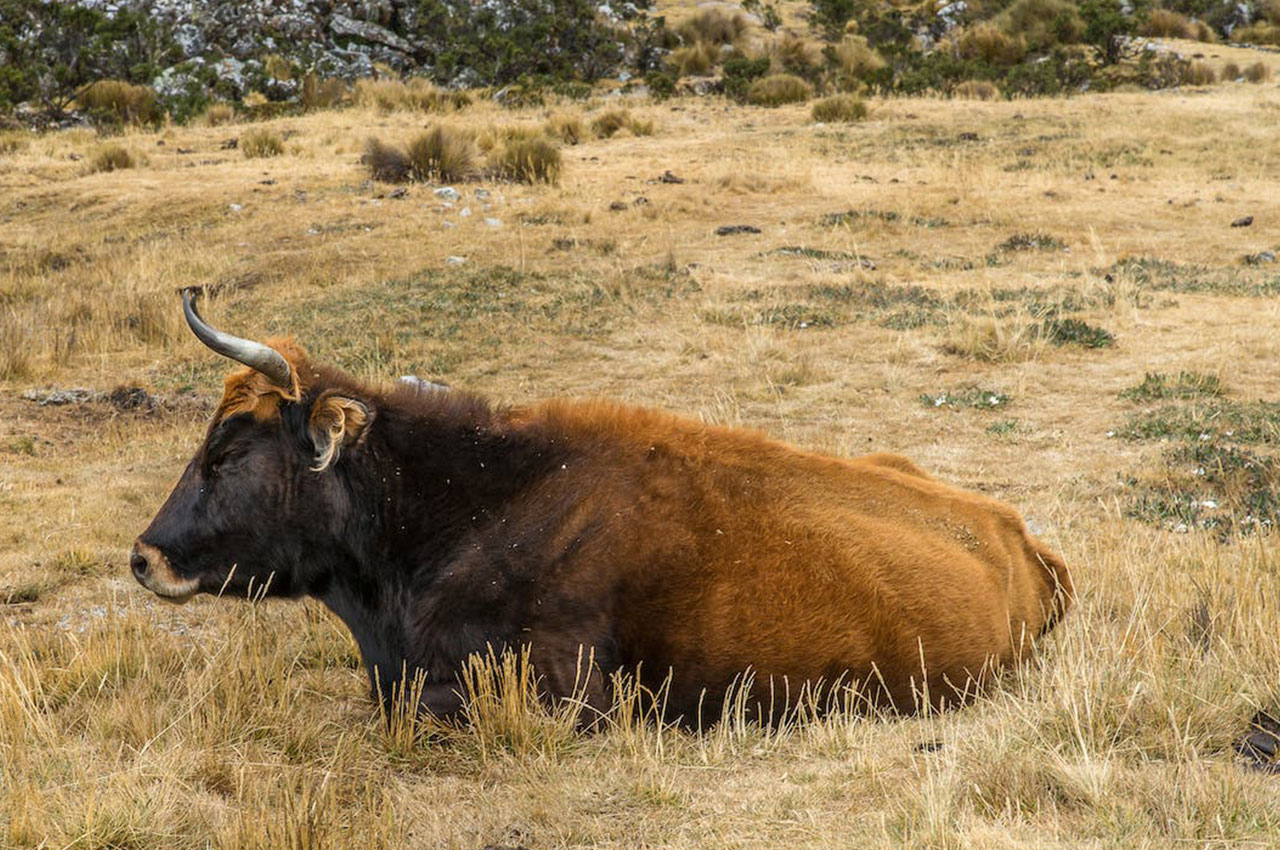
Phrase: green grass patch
[1157,386]
[838,219]
[1209,485]
[1005,428]
[1168,276]
[971,396]
[1076,332]
[1031,242]
[1246,423]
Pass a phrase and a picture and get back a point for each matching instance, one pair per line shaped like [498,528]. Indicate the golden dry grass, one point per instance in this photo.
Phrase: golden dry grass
[127,723]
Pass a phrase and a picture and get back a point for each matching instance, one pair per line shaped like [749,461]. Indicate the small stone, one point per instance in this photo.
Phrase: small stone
[617,206]
[455,261]
[465,212]
[482,194]
[735,229]
[447,193]
[1243,222]
[266,182]
[969,137]
[668,177]
[235,208]
[229,144]
[402,192]
[640,201]
[493,222]
[1261,258]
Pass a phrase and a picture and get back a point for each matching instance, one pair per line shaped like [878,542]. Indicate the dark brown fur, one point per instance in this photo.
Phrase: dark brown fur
[440,527]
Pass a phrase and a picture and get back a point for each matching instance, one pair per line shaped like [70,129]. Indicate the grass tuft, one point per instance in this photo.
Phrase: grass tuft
[566,127]
[386,163]
[110,157]
[839,108]
[1157,386]
[442,153]
[528,161]
[779,89]
[259,142]
[217,114]
[122,102]
[968,396]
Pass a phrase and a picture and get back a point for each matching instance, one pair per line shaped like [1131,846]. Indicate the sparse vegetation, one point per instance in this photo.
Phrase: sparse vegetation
[415,95]
[976,90]
[839,108]
[260,142]
[1199,74]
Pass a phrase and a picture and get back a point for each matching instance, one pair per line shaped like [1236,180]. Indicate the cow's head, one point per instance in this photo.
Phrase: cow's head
[265,504]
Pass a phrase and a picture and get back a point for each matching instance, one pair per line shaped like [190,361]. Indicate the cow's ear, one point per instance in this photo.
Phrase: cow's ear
[336,421]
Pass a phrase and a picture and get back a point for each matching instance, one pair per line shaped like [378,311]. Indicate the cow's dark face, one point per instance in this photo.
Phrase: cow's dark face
[259,509]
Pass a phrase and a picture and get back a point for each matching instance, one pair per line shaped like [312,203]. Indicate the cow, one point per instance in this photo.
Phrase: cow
[438,526]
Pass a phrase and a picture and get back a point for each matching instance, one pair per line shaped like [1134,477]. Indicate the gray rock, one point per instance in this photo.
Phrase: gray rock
[342,25]
[447,193]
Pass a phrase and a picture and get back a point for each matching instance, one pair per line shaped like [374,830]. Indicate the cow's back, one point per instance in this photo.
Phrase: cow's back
[727,551]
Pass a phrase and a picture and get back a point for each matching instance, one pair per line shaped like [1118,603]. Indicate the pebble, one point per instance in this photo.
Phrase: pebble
[455,261]
[493,222]
[447,193]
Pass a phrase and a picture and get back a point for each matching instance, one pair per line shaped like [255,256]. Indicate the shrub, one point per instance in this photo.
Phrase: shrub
[661,86]
[777,89]
[1162,23]
[1260,32]
[794,55]
[1042,24]
[1201,31]
[217,114]
[1258,72]
[528,161]
[696,60]
[855,61]
[739,72]
[442,153]
[110,157]
[260,142]
[565,127]
[1199,74]
[986,43]
[976,90]
[1107,27]
[1231,71]
[121,102]
[831,16]
[840,107]
[713,26]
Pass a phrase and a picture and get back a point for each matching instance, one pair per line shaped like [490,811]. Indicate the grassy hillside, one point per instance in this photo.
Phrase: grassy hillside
[1042,300]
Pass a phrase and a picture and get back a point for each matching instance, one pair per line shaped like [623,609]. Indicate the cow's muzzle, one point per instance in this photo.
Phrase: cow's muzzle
[153,571]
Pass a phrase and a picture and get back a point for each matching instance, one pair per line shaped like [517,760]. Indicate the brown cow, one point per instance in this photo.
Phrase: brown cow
[437,526]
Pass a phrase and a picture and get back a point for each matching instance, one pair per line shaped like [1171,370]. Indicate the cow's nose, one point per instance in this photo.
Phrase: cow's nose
[138,563]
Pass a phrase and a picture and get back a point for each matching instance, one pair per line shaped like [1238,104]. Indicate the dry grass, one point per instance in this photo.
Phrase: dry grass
[125,723]
[415,95]
[779,89]
[843,108]
[443,153]
[126,102]
[260,142]
[612,121]
[1258,72]
[110,157]
[217,114]
[1199,74]
[527,161]
[566,127]
[976,90]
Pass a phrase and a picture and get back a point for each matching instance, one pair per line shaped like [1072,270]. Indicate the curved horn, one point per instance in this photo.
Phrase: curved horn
[255,355]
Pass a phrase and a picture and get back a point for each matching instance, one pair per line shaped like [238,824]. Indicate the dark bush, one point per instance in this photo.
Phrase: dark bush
[739,72]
